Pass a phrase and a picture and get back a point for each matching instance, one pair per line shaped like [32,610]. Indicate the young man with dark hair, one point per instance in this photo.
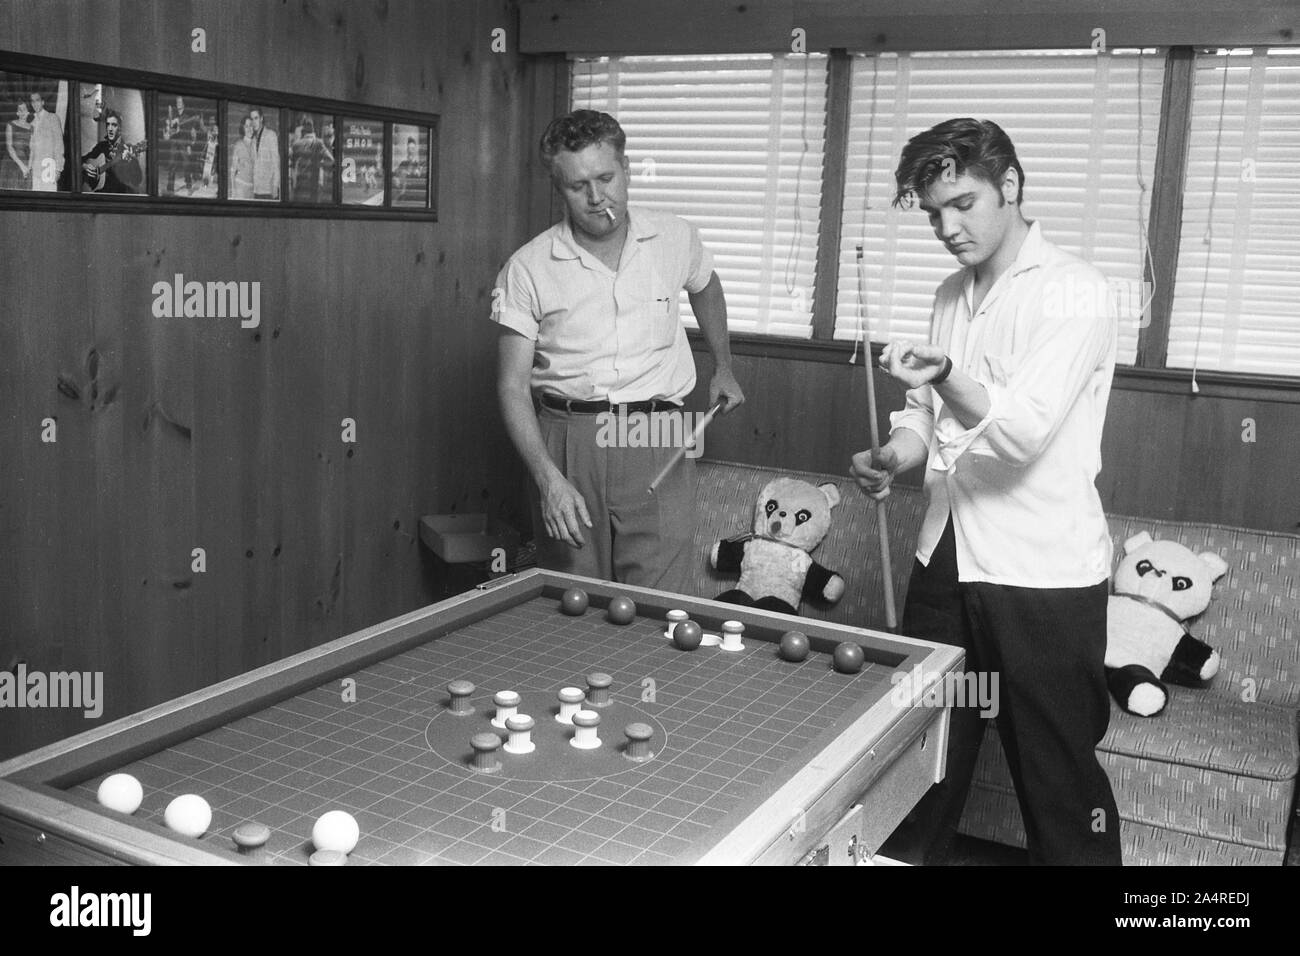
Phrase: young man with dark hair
[1005,409]
[110,166]
[589,329]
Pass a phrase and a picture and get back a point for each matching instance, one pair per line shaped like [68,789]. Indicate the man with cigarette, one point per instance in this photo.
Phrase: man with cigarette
[1005,410]
[589,327]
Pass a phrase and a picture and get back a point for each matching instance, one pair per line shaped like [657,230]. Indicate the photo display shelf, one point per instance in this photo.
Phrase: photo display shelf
[100,139]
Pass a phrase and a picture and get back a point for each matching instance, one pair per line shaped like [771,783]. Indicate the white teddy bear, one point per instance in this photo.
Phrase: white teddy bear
[1158,585]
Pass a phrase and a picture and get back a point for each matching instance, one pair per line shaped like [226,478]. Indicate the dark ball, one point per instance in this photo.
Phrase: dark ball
[794,646]
[574,602]
[848,658]
[622,610]
[688,635]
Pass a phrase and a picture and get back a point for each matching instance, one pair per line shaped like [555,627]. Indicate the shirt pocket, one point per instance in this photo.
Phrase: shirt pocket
[998,368]
[649,304]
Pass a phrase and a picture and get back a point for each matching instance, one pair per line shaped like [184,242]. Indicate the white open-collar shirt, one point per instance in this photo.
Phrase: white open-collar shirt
[601,334]
[1019,485]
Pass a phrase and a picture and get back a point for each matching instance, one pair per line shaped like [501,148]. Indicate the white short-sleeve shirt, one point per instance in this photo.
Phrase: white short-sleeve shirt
[603,335]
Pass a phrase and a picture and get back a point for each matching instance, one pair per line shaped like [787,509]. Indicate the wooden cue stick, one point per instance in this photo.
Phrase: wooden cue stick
[681,452]
[886,566]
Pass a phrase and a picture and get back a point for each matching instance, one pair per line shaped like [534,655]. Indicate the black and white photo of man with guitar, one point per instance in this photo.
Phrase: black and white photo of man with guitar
[112,167]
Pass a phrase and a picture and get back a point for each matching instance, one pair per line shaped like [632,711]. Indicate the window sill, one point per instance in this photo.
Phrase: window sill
[1233,385]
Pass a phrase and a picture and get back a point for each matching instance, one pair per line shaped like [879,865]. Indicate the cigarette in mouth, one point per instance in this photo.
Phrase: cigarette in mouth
[610,213]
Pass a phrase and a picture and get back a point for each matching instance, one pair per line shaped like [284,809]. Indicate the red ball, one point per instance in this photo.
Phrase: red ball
[848,658]
[688,635]
[574,602]
[622,610]
[794,646]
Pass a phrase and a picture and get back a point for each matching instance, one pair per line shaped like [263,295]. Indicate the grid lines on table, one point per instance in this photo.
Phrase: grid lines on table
[732,721]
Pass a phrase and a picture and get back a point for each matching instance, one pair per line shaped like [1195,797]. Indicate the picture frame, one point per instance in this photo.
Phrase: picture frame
[163,158]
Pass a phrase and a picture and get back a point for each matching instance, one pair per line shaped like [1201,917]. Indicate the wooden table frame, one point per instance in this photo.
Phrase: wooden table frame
[891,743]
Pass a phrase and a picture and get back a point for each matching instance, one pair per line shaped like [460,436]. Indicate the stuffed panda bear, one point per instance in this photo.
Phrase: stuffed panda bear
[777,572]
[1158,585]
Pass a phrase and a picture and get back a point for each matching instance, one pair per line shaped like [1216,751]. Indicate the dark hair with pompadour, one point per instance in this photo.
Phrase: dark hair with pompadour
[978,147]
[576,131]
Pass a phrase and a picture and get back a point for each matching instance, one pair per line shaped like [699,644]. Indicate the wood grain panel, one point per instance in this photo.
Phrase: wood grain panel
[184,433]
[1165,454]
[714,26]
[667,26]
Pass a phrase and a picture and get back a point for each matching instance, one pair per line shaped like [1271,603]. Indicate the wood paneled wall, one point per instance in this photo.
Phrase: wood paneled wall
[601,27]
[1165,453]
[176,434]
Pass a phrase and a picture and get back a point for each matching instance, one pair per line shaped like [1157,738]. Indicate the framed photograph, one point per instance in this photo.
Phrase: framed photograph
[409,176]
[34,154]
[114,140]
[362,161]
[253,138]
[311,157]
[188,147]
[75,133]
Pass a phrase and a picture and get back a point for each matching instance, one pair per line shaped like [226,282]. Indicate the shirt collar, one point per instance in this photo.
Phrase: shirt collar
[1033,253]
[565,246]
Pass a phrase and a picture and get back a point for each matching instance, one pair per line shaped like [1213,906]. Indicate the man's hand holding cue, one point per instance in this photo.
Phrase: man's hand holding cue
[687,446]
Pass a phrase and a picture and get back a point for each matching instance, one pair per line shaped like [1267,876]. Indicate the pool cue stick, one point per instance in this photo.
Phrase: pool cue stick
[886,566]
[681,452]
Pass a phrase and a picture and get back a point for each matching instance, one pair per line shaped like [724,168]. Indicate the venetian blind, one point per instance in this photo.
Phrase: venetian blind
[734,145]
[1237,287]
[1085,128]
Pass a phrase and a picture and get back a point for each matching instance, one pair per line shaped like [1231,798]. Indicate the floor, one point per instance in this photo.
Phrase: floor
[968,851]
[965,851]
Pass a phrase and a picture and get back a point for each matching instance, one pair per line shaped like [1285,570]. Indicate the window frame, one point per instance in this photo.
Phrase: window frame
[1148,372]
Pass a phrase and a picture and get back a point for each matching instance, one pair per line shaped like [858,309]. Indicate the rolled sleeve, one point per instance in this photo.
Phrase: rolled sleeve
[514,301]
[917,414]
[1029,401]
[700,271]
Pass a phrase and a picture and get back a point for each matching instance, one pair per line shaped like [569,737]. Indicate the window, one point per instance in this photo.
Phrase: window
[1085,130]
[736,143]
[733,144]
[1238,279]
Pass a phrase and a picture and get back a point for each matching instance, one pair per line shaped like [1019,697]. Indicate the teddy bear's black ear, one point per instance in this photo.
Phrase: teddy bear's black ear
[831,491]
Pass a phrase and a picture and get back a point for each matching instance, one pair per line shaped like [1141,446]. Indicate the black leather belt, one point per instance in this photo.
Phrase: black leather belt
[595,408]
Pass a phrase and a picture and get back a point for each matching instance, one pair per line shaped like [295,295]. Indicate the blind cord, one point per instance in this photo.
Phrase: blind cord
[1208,239]
[796,238]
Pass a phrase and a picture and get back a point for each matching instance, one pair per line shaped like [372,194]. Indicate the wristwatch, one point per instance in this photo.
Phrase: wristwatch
[944,373]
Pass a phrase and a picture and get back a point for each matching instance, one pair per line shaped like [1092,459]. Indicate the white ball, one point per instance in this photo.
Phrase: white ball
[336,830]
[121,792]
[189,815]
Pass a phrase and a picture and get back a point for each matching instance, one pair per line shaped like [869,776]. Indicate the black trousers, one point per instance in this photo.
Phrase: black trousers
[1046,647]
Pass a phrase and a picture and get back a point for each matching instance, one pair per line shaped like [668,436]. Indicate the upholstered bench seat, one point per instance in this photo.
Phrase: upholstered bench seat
[1218,772]
[1210,780]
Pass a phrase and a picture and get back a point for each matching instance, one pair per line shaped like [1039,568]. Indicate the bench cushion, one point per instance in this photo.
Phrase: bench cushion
[1198,786]
[1211,732]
